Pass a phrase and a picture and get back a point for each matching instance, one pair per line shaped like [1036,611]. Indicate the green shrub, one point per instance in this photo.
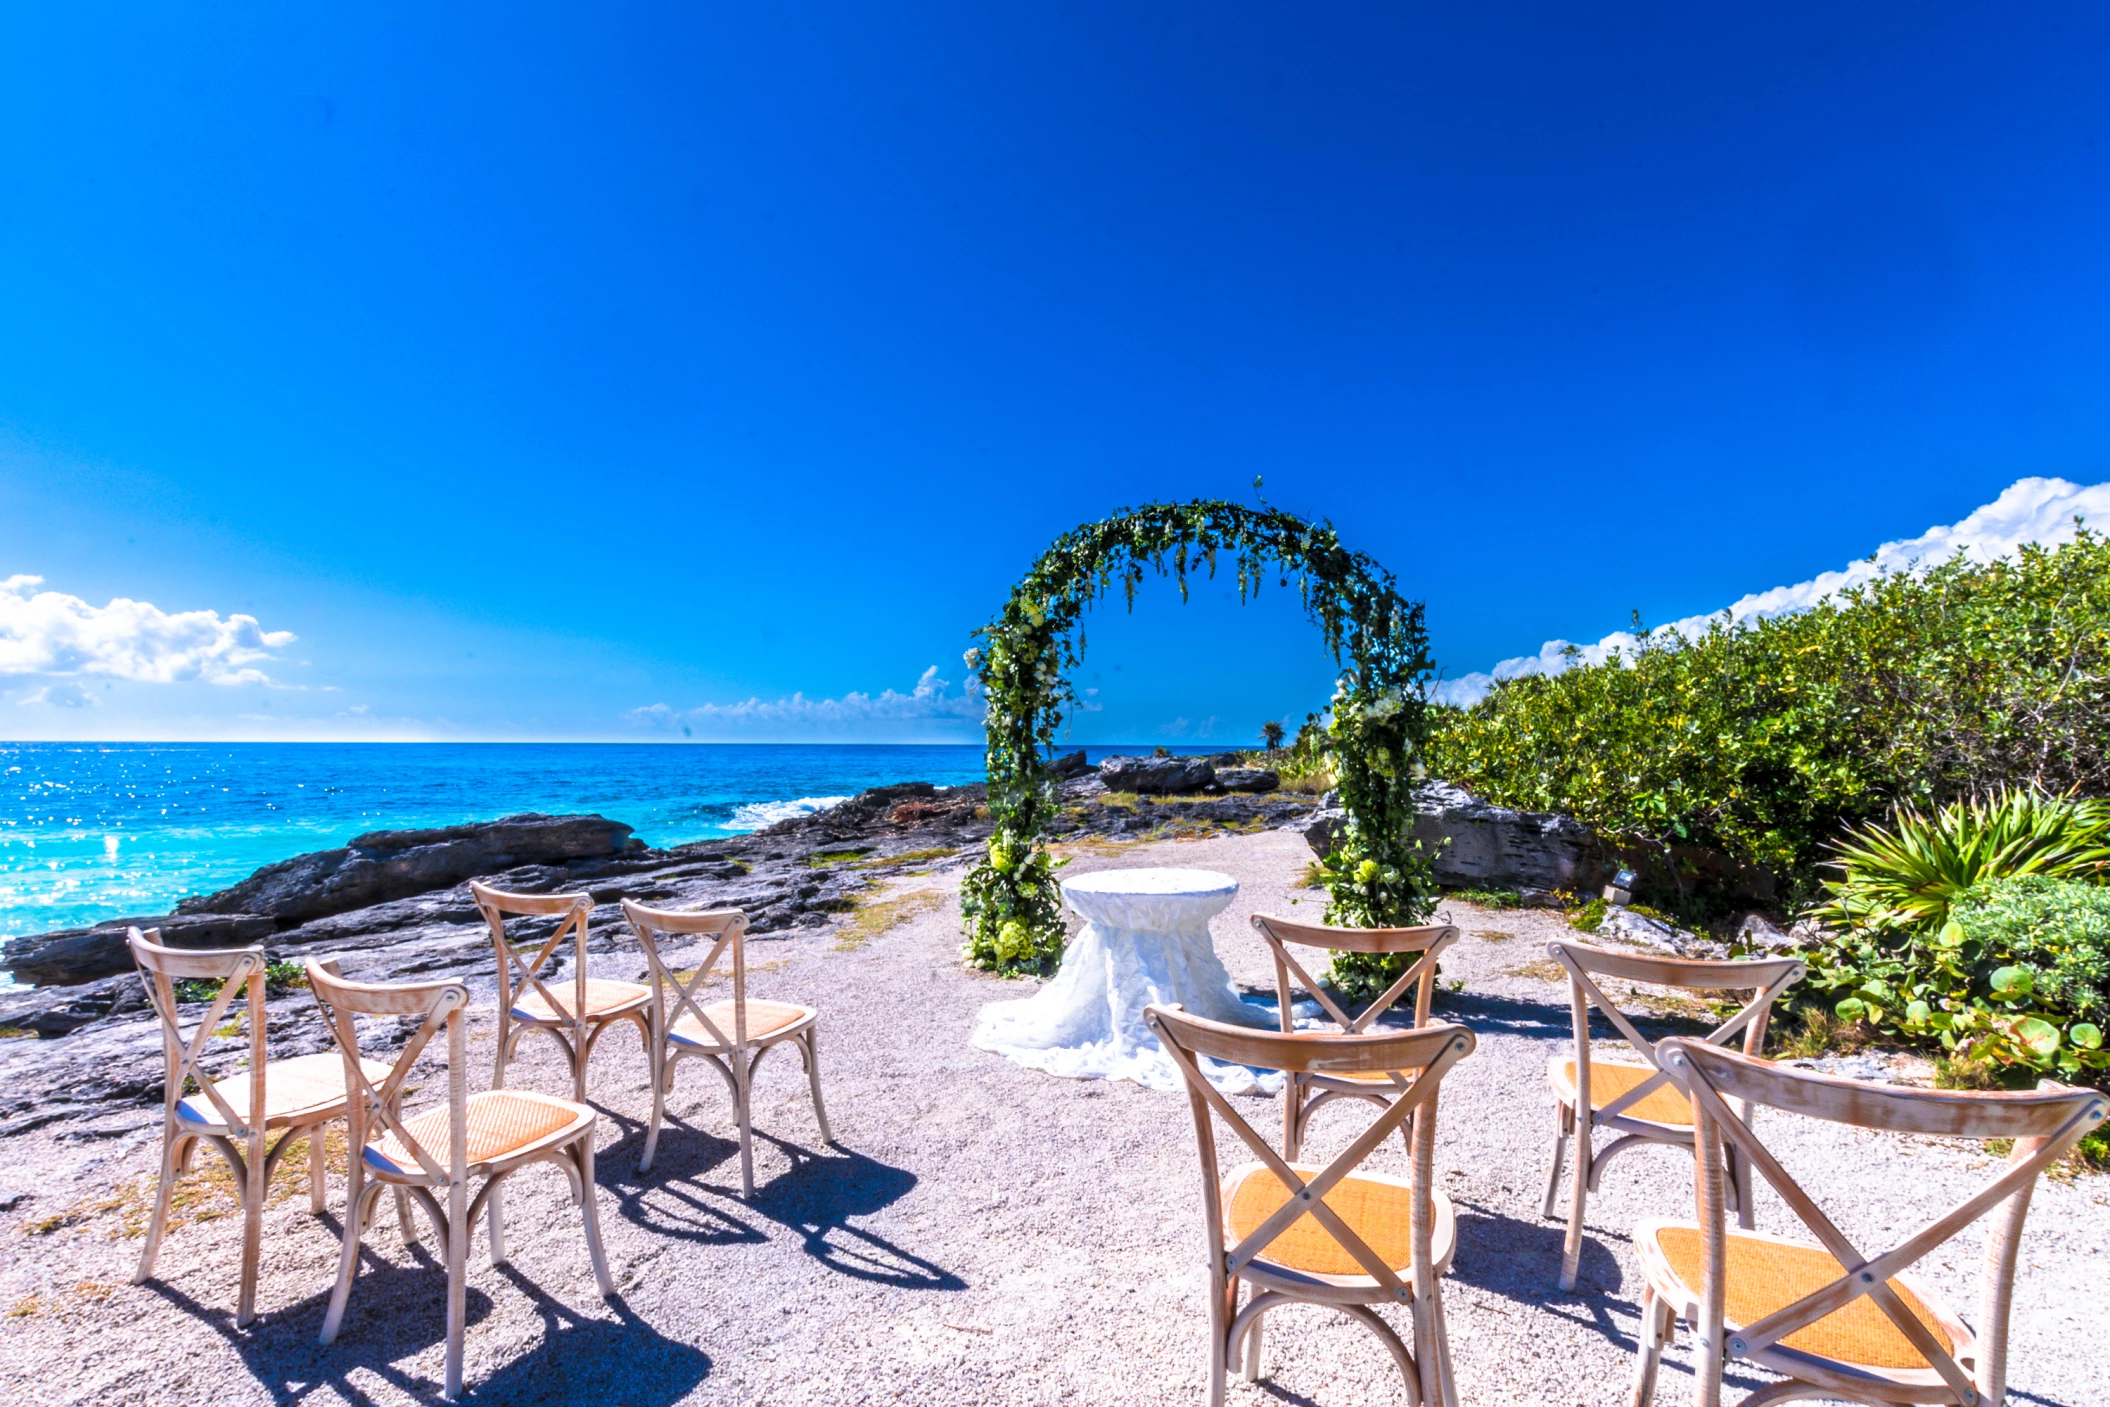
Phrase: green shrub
[1907,874]
[1765,739]
[2057,928]
[1589,918]
[2014,982]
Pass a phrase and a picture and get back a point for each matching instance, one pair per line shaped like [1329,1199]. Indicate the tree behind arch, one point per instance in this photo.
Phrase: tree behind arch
[1375,875]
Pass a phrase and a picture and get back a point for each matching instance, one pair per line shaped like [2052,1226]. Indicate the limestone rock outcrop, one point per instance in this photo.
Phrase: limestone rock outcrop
[384,865]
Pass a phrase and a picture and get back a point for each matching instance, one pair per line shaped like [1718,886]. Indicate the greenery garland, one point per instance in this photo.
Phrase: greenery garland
[1375,875]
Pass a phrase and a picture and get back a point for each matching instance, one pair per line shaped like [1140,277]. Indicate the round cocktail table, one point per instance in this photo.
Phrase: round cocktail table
[1146,939]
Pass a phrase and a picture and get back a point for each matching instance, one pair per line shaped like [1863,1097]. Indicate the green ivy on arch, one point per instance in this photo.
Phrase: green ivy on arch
[1375,876]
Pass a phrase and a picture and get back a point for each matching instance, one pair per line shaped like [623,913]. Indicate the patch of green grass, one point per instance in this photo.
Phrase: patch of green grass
[1815,1032]
[881,915]
[822,859]
[1589,918]
[1542,970]
[1488,898]
[14,1033]
[1121,800]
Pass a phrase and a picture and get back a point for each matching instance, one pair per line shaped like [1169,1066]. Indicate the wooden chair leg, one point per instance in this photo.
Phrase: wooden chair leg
[1654,1333]
[581,1051]
[1440,1349]
[1223,1298]
[355,1204]
[743,1081]
[813,1080]
[170,1169]
[252,1230]
[406,1221]
[660,1071]
[1292,1098]
[1561,1124]
[1578,1196]
[1252,1350]
[495,1222]
[506,1036]
[457,1281]
[1740,1187]
[590,1208]
[317,1168]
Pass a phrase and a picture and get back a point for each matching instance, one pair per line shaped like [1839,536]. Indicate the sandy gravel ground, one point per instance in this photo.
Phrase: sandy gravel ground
[983,1234]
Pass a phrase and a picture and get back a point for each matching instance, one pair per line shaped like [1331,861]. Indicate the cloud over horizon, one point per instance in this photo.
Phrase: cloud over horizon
[931,700]
[51,633]
[2028,510]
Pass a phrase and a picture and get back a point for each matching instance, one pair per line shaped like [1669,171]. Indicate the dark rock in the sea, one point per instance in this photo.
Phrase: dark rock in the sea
[1074,765]
[1174,776]
[385,865]
[85,954]
[1255,779]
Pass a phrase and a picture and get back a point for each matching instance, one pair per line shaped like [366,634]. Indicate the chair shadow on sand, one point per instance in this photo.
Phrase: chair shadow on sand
[817,1198]
[398,1311]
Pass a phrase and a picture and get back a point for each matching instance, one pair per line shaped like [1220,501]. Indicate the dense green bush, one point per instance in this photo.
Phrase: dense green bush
[2059,929]
[1908,873]
[1767,738]
[2015,979]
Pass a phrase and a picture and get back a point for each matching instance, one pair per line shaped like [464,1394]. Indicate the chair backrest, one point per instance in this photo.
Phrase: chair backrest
[572,911]
[1430,941]
[728,929]
[2043,1123]
[1764,978]
[440,1004]
[1427,1051]
[236,969]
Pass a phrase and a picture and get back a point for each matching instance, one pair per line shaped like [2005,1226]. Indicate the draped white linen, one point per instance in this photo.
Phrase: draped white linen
[1146,939]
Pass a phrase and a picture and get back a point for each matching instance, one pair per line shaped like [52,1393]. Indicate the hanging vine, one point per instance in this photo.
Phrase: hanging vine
[1375,876]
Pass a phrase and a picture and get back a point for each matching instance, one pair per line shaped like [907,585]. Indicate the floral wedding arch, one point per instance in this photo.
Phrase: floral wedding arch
[1375,876]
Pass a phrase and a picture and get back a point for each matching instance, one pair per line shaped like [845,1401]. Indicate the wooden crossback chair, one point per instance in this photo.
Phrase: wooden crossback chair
[488,1135]
[575,1012]
[732,1035]
[1305,1092]
[1325,1235]
[1838,1321]
[296,1098]
[1640,1102]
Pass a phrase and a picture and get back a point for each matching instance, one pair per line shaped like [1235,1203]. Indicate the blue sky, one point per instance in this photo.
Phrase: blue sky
[581,372]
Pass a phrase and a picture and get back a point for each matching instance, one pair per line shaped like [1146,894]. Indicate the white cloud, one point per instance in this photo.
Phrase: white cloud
[47,632]
[60,696]
[2031,510]
[931,699]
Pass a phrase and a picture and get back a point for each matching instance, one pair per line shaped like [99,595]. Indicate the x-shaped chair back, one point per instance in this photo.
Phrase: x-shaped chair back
[236,970]
[1305,1094]
[1765,978]
[724,928]
[1429,942]
[440,1004]
[1427,1053]
[2043,1123]
[518,970]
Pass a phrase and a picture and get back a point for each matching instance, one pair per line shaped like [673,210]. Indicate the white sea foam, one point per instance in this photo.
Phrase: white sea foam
[756,815]
[2031,510]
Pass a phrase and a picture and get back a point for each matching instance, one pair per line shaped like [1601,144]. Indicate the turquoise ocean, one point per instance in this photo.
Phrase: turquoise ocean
[96,831]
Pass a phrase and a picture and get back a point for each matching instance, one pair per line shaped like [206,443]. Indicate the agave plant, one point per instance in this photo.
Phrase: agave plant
[1905,875]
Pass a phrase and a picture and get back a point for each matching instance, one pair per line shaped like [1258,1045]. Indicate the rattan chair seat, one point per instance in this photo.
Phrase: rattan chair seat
[1767,1273]
[1375,1207]
[764,1019]
[502,1123]
[1665,1104]
[605,998]
[298,1090]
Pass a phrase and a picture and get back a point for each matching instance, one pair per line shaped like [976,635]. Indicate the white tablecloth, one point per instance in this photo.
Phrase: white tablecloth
[1146,939]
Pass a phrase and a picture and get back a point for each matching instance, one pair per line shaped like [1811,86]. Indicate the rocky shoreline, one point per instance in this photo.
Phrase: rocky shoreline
[84,1046]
